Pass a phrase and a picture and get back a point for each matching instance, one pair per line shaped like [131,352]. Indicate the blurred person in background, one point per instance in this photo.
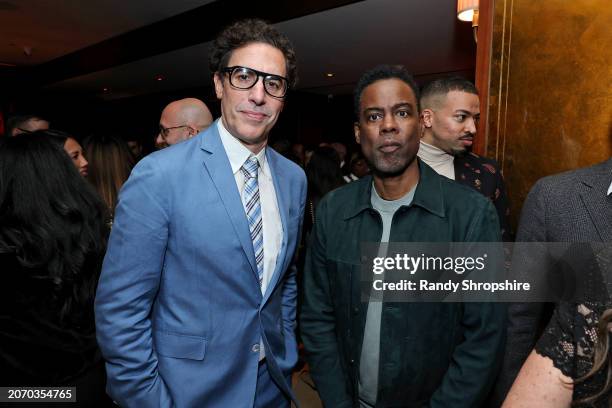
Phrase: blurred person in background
[181,120]
[299,153]
[136,148]
[340,148]
[17,125]
[358,167]
[324,174]
[110,164]
[52,241]
[72,147]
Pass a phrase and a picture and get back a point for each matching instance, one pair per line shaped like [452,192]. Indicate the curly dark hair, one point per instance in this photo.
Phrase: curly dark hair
[51,219]
[379,73]
[249,31]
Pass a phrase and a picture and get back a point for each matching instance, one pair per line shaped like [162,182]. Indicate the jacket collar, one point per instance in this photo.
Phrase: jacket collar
[211,140]
[428,194]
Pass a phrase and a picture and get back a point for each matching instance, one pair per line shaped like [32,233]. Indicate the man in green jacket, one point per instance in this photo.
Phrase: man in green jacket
[395,354]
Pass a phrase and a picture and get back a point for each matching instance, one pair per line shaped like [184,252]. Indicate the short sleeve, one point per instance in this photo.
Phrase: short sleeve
[558,342]
[569,341]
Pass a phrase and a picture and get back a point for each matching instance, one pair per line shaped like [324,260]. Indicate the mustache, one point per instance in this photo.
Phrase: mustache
[253,108]
[389,142]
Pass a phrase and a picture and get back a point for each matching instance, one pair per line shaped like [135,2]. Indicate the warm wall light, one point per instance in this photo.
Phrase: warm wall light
[467,10]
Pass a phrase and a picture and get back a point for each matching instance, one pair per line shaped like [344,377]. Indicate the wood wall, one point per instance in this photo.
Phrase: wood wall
[549,89]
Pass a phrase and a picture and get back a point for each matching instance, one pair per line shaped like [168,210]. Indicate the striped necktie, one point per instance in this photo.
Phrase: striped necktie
[252,206]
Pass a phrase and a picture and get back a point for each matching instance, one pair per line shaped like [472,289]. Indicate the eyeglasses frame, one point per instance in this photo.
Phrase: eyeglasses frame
[163,131]
[260,74]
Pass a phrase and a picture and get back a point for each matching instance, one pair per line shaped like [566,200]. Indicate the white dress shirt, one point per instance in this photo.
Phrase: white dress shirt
[237,154]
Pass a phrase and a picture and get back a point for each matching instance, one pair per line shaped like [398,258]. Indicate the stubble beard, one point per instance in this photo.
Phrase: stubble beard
[390,165]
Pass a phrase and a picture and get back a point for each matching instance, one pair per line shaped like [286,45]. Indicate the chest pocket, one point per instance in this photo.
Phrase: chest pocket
[179,345]
[344,280]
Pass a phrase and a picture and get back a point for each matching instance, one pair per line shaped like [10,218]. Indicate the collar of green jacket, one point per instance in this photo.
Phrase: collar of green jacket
[428,194]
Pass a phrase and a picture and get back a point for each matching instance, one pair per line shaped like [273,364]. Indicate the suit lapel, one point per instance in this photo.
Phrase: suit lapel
[283,200]
[599,205]
[218,167]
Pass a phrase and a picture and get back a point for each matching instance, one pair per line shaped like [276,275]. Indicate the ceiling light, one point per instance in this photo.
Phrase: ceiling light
[330,74]
[159,78]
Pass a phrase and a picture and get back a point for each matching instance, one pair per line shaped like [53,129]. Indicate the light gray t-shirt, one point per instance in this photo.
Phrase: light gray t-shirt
[370,350]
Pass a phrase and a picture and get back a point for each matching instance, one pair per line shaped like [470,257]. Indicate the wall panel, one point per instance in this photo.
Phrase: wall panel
[550,93]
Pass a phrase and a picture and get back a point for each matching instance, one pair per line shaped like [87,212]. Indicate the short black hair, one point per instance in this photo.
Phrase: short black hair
[18,121]
[441,87]
[383,72]
[245,32]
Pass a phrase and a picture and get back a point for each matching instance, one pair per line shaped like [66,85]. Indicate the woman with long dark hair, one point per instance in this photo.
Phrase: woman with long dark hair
[72,148]
[52,240]
[110,164]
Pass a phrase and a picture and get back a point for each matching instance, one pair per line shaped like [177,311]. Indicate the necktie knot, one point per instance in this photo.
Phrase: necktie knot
[250,167]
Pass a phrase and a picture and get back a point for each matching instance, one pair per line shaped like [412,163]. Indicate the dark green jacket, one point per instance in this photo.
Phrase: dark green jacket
[431,354]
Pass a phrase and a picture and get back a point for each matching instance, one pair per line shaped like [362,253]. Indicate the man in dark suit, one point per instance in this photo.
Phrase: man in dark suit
[197,299]
[450,110]
[575,206]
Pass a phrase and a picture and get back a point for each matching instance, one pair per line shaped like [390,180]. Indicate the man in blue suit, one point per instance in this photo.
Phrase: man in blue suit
[197,298]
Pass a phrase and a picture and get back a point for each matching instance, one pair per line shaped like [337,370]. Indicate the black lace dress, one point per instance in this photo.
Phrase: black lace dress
[569,341]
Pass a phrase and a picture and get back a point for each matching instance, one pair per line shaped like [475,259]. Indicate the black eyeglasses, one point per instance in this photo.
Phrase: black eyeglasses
[246,78]
[164,131]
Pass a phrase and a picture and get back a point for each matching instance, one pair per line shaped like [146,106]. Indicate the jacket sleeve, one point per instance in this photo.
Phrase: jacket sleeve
[128,287]
[290,289]
[524,319]
[502,206]
[476,360]
[318,323]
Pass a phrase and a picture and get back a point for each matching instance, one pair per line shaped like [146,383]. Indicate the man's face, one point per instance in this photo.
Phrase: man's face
[360,167]
[340,149]
[388,127]
[250,114]
[172,131]
[452,125]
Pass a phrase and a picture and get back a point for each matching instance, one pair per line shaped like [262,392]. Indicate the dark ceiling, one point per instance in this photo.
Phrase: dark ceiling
[113,49]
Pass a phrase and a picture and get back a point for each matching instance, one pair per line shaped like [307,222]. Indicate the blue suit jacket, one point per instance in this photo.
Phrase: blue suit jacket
[179,310]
